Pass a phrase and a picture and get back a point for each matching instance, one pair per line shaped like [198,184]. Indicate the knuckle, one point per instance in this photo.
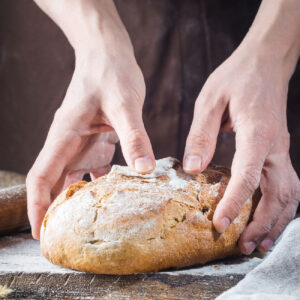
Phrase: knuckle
[128,96]
[250,176]
[35,204]
[287,194]
[199,139]
[136,140]
[234,209]
[261,132]
[129,99]
[37,179]
[282,203]
[264,228]
[284,196]
[265,134]
[212,101]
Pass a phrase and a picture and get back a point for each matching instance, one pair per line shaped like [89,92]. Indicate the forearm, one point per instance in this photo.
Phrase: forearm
[87,22]
[275,32]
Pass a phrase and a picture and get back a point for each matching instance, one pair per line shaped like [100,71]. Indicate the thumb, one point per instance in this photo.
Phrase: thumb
[135,143]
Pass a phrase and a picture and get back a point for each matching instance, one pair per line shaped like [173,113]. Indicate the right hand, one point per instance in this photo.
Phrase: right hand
[106,94]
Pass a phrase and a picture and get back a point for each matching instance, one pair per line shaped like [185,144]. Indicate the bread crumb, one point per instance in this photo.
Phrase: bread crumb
[4,291]
[217,267]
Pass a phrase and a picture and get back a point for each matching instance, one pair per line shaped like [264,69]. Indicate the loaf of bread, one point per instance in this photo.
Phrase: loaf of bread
[124,223]
[13,208]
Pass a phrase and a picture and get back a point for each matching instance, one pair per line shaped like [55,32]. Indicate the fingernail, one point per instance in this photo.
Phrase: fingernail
[249,247]
[266,244]
[192,163]
[144,164]
[224,223]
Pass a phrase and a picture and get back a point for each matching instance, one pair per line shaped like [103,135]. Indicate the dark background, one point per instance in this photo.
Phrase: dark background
[177,44]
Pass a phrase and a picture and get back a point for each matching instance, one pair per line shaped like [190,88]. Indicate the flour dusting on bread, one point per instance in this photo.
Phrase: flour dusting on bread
[164,167]
[125,222]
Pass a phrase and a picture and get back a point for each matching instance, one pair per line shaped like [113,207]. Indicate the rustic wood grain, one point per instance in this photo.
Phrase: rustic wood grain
[140,286]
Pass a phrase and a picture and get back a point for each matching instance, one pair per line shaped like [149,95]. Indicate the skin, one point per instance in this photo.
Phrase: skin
[105,95]
[247,94]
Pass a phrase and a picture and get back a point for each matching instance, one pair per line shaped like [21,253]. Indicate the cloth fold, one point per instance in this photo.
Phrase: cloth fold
[278,276]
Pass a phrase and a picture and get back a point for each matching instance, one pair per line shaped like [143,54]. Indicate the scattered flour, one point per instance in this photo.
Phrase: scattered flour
[20,253]
[240,266]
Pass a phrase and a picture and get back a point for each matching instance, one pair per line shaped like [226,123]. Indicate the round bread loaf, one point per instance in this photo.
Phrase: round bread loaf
[124,222]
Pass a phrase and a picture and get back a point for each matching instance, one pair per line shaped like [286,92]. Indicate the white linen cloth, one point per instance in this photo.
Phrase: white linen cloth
[278,276]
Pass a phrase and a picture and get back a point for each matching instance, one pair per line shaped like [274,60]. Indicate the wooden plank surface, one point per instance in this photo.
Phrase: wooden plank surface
[140,286]
[24,270]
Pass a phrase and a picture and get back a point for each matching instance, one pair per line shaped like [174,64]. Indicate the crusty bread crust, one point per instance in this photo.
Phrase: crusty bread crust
[124,223]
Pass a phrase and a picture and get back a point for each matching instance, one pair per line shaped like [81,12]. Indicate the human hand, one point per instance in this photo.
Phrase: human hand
[247,94]
[105,97]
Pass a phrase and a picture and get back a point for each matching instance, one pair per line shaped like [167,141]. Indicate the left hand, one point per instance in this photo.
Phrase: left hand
[248,94]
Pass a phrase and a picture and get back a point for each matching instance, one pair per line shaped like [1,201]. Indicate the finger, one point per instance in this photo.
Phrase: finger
[96,154]
[37,189]
[100,172]
[135,143]
[265,217]
[251,151]
[94,157]
[61,144]
[72,177]
[202,138]
[286,217]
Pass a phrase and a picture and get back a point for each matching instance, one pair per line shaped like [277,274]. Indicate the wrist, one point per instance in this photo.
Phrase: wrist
[89,24]
[281,59]
[107,43]
[102,34]
[274,34]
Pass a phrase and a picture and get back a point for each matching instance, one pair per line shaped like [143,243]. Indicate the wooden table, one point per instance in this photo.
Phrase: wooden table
[31,276]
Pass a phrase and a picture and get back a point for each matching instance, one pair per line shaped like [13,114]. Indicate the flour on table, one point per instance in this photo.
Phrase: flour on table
[20,253]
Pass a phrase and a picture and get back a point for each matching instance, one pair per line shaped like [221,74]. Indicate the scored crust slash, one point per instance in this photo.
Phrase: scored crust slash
[124,222]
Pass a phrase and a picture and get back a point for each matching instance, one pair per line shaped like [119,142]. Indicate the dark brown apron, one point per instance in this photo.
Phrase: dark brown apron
[178,43]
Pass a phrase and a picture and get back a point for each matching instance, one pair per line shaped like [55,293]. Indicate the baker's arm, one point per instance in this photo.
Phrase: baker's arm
[106,94]
[88,23]
[248,95]
[275,34]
